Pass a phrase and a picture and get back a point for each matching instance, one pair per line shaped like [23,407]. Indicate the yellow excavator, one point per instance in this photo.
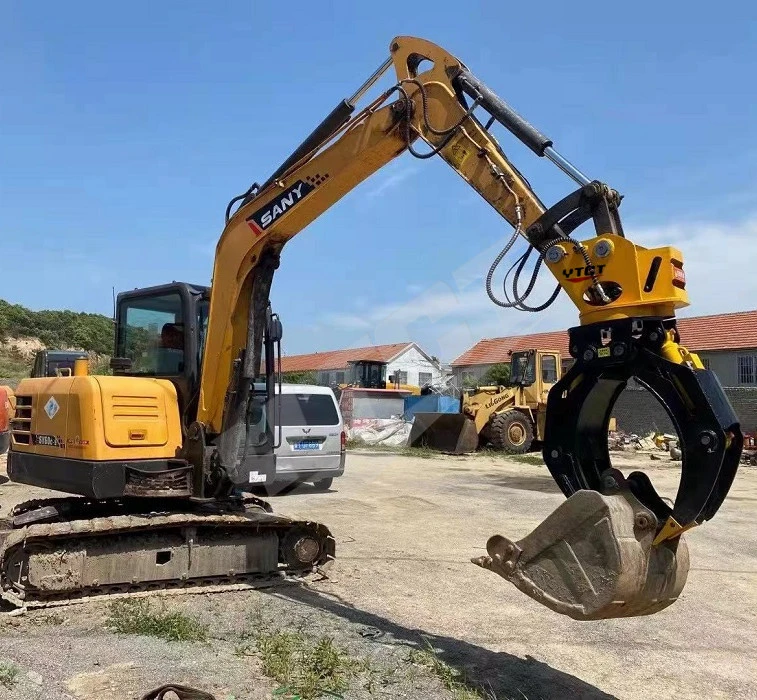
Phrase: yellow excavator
[159,451]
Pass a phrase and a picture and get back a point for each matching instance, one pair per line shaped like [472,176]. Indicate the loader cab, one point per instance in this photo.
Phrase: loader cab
[523,368]
[160,332]
[536,372]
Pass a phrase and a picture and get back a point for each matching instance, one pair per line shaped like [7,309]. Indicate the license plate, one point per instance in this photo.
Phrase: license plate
[307,445]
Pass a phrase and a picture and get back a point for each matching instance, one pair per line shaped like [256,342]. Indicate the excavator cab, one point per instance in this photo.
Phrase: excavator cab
[160,333]
[368,374]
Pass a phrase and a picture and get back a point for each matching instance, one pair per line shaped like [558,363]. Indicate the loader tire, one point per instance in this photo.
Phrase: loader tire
[511,432]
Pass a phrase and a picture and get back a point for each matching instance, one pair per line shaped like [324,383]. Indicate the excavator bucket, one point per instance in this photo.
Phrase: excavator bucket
[453,433]
[593,558]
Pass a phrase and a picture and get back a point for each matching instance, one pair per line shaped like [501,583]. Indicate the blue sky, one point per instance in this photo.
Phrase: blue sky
[126,127]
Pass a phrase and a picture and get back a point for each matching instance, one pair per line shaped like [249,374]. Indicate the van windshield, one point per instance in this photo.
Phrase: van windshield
[308,409]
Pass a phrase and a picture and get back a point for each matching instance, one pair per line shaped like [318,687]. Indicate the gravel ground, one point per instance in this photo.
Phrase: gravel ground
[406,528]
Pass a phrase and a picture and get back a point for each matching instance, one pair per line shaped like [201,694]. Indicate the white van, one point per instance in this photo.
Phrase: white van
[313,441]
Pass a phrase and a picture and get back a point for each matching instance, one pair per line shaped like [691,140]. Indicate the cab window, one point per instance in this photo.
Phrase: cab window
[152,335]
[549,369]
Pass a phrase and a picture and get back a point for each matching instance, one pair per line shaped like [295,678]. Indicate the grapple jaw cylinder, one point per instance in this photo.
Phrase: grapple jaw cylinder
[615,547]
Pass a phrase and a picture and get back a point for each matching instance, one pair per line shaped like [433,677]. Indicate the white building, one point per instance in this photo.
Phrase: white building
[332,367]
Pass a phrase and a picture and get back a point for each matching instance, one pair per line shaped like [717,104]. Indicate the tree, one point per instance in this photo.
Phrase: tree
[308,377]
[57,329]
[497,375]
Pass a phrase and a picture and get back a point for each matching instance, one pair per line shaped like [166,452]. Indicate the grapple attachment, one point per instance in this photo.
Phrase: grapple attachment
[580,405]
[594,558]
[615,547]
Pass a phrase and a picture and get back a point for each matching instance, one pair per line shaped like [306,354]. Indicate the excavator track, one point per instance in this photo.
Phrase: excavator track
[99,549]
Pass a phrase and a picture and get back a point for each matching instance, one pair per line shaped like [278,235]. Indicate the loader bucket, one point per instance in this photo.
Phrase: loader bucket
[453,433]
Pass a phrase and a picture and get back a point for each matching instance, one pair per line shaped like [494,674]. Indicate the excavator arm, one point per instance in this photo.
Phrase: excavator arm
[615,547]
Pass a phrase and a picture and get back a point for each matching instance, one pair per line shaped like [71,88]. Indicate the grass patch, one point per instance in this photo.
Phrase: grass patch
[13,367]
[451,678]
[8,674]
[138,616]
[422,452]
[306,668]
[534,458]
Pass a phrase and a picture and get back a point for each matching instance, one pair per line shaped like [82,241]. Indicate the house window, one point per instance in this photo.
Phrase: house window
[747,369]
[340,377]
[425,378]
[402,376]
[706,362]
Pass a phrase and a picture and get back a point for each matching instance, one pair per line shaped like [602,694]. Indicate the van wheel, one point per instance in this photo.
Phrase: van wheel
[323,484]
[511,432]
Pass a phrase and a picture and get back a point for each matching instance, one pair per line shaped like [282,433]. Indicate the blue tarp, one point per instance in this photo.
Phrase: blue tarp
[430,404]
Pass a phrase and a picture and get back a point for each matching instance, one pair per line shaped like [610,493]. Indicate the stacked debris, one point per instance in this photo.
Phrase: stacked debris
[390,432]
[654,443]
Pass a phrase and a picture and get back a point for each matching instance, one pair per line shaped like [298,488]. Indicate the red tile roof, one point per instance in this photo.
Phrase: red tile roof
[338,359]
[491,350]
[717,332]
[720,331]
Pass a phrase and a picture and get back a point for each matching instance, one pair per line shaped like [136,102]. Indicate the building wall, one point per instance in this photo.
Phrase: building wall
[464,376]
[414,362]
[726,365]
[637,411]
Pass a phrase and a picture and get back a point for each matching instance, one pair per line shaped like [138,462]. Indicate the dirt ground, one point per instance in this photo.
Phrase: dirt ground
[406,528]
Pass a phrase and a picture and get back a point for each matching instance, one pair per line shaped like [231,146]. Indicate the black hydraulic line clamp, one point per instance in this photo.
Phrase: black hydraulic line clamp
[607,355]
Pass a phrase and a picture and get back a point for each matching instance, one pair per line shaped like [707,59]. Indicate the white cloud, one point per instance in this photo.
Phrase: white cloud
[348,322]
[390,181]
[719,260]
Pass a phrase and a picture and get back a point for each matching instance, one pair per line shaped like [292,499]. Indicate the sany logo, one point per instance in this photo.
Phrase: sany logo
[266,215]
[581,274]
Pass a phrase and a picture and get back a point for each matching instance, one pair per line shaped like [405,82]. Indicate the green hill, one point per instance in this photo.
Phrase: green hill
[53,329]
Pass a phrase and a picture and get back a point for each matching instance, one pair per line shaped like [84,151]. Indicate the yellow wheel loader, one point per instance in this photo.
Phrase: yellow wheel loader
[509,418]
[159,452]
